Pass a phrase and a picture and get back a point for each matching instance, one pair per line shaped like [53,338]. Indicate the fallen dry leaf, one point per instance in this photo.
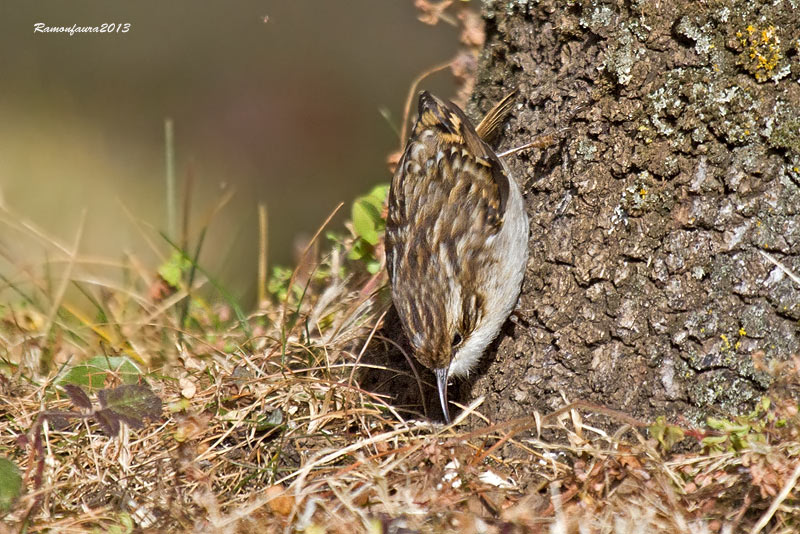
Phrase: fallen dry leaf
[431,11]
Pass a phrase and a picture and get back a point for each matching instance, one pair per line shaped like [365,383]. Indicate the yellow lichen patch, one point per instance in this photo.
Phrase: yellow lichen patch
[762,50]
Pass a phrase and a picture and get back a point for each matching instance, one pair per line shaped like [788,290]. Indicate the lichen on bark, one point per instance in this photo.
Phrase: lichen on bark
[676,162]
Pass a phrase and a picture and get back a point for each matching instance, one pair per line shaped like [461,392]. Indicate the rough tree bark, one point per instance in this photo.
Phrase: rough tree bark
[647,290]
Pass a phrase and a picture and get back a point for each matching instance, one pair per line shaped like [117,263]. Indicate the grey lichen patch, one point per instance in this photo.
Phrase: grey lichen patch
[663,100]
[643,195]
[693,97]
[733,113]
[785,297]
[702,36]
[684,250]
[598,18]
[587,149]
[731,394]
[621,59]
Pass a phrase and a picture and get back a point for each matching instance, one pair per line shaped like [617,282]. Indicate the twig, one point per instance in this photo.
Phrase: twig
[779,265]
[542,141]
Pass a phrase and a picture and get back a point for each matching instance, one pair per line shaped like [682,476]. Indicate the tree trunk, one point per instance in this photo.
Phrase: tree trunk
[647,288]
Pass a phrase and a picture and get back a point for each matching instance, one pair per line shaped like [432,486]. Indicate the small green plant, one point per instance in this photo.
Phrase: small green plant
[666,434]
[742,432]
[175,268]
[278,284]
[368,226]
[10,484]
[92,373]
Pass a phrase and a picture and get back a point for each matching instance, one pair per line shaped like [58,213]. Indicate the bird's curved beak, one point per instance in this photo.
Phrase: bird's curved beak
[441,385]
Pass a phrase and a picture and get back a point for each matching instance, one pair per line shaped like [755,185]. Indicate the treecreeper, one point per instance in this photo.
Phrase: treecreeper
[456,239]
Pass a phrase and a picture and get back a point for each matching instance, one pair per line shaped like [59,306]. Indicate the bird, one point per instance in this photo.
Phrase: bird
[456,239]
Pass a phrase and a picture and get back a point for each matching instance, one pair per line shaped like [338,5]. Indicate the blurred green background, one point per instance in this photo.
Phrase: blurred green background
[279,100]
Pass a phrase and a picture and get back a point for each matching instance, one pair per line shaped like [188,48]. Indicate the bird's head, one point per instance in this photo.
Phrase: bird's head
[442,335]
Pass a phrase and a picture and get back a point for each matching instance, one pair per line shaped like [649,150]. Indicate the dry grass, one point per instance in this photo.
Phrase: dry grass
[266,429]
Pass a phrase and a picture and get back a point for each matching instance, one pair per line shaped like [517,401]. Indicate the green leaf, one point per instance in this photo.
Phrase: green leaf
[717,424]
[367,221]
[740,430]
[172,270]
[361,249]
[92,373]
[181,405]
[727,426]
[667,435]
[279,281]
[378,195]
[714,442]
[125,526]
[10,484]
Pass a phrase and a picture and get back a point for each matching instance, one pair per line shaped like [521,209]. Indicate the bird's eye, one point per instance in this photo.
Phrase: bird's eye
[457,339]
